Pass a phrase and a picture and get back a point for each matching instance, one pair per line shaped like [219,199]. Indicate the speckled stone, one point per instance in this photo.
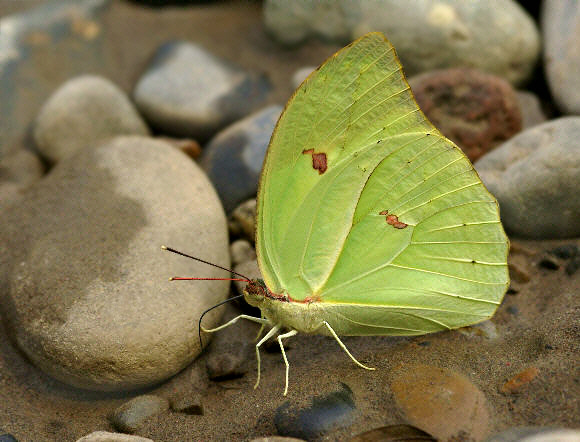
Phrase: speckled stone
[85,284]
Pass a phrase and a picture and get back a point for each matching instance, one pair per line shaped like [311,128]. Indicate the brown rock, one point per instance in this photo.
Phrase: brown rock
[478,111]
[242,221]
[442,402]
[520,381]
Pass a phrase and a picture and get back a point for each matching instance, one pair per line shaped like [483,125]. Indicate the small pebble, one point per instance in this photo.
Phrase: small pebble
[394,433]
[105,436]
[276,439]
[573,265]
[519,382]
[7,437]
[242,221]
[461,407]
[187,404]
[518,272]
[325,414]
[131,415]
[241,251]
[566,251]
[549,262]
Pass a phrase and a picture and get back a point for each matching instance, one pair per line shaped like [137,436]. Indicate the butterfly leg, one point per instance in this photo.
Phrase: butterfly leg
[261,329]
[280,337]
[233,321]
[271,333]
[344,347]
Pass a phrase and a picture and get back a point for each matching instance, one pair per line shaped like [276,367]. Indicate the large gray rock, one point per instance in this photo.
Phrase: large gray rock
[561,32]
[498,37]
[535,177]
[85,110]
[84,284]
[187,91]
[39,49]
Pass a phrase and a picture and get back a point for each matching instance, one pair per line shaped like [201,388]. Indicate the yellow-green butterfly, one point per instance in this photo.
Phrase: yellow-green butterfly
[370,221]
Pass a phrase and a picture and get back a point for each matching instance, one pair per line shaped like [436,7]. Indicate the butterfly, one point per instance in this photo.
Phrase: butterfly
[370,221]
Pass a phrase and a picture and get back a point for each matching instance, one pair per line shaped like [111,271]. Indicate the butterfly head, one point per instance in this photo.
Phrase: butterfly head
[256,293]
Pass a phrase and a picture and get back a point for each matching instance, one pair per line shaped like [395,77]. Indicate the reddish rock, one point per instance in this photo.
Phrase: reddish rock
[520,381]
[477,111]
[442,402]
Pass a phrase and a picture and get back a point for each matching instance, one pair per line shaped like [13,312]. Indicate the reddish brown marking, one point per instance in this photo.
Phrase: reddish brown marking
[393,220]
[318,160]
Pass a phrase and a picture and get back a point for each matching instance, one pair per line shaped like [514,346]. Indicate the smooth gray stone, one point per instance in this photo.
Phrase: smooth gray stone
[187,91]
[131,415]
[233,158]
[498,37]
[535,177]
[85,110]
[561,31]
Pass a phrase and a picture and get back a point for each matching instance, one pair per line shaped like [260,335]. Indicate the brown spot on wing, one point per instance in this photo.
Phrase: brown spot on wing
[318,160]
[393,220]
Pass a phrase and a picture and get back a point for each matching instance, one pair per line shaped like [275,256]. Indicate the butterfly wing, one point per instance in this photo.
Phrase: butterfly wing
[365,207]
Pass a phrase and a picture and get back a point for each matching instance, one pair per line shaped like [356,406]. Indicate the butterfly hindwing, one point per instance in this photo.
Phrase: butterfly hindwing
[364,206]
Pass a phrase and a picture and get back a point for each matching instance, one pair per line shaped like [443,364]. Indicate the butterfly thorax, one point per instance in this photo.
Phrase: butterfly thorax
[306,317]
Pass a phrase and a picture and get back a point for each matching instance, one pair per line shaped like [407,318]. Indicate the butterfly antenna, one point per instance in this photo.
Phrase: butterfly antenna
[209,309]
[169,249]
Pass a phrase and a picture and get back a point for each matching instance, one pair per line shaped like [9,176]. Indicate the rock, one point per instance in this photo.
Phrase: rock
[233,158]
[476,110]
[566,251]
[536,434]
[189,147]
[7,437]
[486,329]
[83,111]
[556,435]
[292,22]
[325,413]
[561,36]
[531,109]
[22,167]
[520,381]
[250,270]
[242,221]
[549,262]
[187,404]
[105,436]
[519,271]
[394,433]
[228,356]
[276,439]
[569,252]
[17,171]
[573,266]
[533,175]
[85,290]
[300,75]
[497,37]
[187,91]
[70,33]
[241,251]
[442,402]
[131,415]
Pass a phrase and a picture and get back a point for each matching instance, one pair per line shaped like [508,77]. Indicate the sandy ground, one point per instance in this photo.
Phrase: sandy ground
[538,326]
